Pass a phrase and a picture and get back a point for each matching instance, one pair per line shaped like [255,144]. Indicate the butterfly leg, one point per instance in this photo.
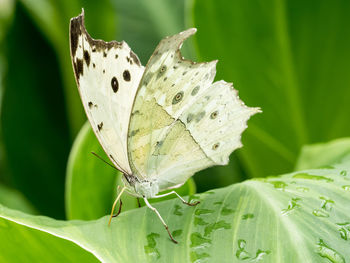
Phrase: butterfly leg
[161,219]
[138,201]
[115,203]
[120,208]
[183,200]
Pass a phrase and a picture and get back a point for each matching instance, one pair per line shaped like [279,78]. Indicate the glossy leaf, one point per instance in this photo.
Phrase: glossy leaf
[323,154]
[291,59]
[298,217]
[52,18]
[33,123]
[15,200]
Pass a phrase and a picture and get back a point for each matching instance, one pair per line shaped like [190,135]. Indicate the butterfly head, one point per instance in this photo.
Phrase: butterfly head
[141,188]
[146,189]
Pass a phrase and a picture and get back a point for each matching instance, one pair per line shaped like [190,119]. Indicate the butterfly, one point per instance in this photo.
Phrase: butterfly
[161,123]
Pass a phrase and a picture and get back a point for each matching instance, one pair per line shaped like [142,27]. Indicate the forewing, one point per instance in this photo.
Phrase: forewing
[181,122]
[107,74]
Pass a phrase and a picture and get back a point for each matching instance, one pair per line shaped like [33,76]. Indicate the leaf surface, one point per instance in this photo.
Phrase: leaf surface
[297,217]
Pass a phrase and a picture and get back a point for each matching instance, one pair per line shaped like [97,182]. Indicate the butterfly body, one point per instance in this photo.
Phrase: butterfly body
[161,123]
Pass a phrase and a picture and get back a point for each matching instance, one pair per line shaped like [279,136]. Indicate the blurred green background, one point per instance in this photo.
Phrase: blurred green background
[291,58]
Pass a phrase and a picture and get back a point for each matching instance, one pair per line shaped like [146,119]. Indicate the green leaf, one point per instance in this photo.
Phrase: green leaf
[34,128]
[52,18]
[136,18]
[20,243]
[88,178]
[15,200]
[297,217]
[323,154]
[291,59]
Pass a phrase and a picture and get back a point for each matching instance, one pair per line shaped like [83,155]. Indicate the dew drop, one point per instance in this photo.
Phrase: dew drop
[329,253]
[241,253]
[198,257]
[327,204]
[346,187]
[292,205]
[203,211]
[278,184]
[344,173]
[177,210]
[260,255]
[227,211]
[303,189]
[198,241]
[247,216]
[150,248]
[344,230]
[199,221]
[193,197]
[312,177]
[177,233]
[215,226]
[320,213]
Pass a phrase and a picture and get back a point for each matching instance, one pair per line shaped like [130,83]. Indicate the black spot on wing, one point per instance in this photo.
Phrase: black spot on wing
[87,57]
[161,71]
[114,84]
[195,90]
[199,116]
[134,58]
[93,64]
[90,104]
[189,117]
[79,68]
[126,75]
[77,28]
[215,146]
[75,32]
[99,126]
[213,115]
[178,97]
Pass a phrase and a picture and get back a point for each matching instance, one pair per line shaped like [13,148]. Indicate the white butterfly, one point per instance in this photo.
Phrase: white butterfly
[161,123]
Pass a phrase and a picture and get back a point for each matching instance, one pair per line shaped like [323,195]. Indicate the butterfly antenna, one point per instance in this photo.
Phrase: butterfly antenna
[99,157]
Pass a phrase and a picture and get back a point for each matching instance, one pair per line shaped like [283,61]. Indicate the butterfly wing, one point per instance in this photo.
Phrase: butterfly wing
[107,74]
[181,122]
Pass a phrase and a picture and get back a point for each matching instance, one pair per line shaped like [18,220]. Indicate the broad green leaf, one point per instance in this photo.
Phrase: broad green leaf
[6,17]
[34,130]
[20,243]
[15,200]
[91,185]
[52,18]
[291,58]
[297,217]
[323,154]
[142,24]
